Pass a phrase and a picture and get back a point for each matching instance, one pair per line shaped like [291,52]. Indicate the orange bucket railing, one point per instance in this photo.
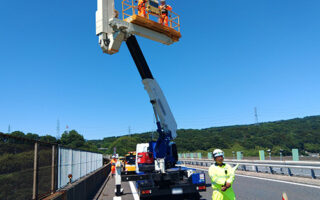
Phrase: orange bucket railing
[130,7]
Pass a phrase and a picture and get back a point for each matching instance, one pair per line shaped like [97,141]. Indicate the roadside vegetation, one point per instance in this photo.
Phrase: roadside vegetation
[300,133]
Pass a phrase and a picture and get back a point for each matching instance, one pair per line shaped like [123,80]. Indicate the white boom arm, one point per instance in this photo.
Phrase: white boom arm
[161,106]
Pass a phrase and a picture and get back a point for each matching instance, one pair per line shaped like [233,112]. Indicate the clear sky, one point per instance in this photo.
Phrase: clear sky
[233,56]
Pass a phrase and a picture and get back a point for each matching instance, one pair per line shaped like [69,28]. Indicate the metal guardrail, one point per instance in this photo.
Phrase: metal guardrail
[290,170]
[283,162]
[277,162]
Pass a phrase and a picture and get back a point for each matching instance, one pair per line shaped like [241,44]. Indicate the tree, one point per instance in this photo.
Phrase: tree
[48,138]
[124,145]
[72,139]
[18,134]
[32,136]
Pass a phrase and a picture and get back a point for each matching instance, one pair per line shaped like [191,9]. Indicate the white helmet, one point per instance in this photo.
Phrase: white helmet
[113,156]
[218,152]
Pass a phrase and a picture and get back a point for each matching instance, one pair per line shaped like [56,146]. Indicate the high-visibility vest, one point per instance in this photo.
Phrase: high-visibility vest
[165,9]
[113,162]
[141,4]
[220,175]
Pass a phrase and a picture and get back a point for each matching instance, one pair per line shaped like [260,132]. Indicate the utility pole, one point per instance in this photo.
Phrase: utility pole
[256,115]
[129,130]
[9,129]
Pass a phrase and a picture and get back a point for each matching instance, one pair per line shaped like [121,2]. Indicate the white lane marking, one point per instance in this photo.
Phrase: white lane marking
[116,198]
[134,191]
[274,180]
[267,179]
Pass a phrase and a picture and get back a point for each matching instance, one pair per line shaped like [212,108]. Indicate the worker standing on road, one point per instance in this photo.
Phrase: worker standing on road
[113,165]
[164,13]
[222,177]
[142,8]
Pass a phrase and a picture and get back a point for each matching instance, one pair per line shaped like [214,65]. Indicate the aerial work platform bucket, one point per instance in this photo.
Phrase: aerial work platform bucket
[129,10]
[154,22]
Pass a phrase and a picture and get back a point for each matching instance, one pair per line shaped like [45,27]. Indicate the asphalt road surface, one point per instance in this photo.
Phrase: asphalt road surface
[245,187]
[253,188]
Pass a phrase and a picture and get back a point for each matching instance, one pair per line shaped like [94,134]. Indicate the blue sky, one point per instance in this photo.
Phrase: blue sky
[233,56]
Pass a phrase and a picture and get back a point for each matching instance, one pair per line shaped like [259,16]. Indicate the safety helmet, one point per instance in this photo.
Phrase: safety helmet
[113,156]
[218,152]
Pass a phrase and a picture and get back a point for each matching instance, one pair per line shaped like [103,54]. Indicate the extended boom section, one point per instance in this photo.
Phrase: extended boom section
[166,124]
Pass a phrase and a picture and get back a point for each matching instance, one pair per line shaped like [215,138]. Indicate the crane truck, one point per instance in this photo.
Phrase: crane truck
[163,179]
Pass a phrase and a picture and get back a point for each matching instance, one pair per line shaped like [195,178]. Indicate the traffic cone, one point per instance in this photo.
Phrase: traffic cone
[284,196]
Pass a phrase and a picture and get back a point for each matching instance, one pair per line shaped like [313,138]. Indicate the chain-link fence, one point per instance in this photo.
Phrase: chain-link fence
[31,169]
[16,168]
[47,169]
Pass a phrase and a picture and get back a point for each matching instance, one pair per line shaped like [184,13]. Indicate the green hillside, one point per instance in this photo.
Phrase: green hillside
[301,133]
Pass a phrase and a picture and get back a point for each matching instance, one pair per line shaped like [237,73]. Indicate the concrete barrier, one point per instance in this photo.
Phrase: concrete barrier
[85,188]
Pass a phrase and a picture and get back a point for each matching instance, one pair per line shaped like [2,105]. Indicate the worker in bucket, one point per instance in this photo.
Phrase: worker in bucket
[164,13]
[222,177]
[113,165]
[142,8]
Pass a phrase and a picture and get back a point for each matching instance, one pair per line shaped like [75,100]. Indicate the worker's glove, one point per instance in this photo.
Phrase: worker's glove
[223,188]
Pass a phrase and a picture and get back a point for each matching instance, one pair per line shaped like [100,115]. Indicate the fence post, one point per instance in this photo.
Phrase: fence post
[35,172]
[289,172]
[313,175]
[271,170]
[244,168]
[53,174]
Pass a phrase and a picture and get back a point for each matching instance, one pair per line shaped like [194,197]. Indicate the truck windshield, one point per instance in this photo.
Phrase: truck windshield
[131,160]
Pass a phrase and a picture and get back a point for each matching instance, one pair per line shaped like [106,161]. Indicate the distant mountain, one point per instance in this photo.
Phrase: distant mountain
[301,133]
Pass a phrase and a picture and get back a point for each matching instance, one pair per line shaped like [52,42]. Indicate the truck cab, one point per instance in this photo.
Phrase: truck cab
[130,162]
[144,158]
